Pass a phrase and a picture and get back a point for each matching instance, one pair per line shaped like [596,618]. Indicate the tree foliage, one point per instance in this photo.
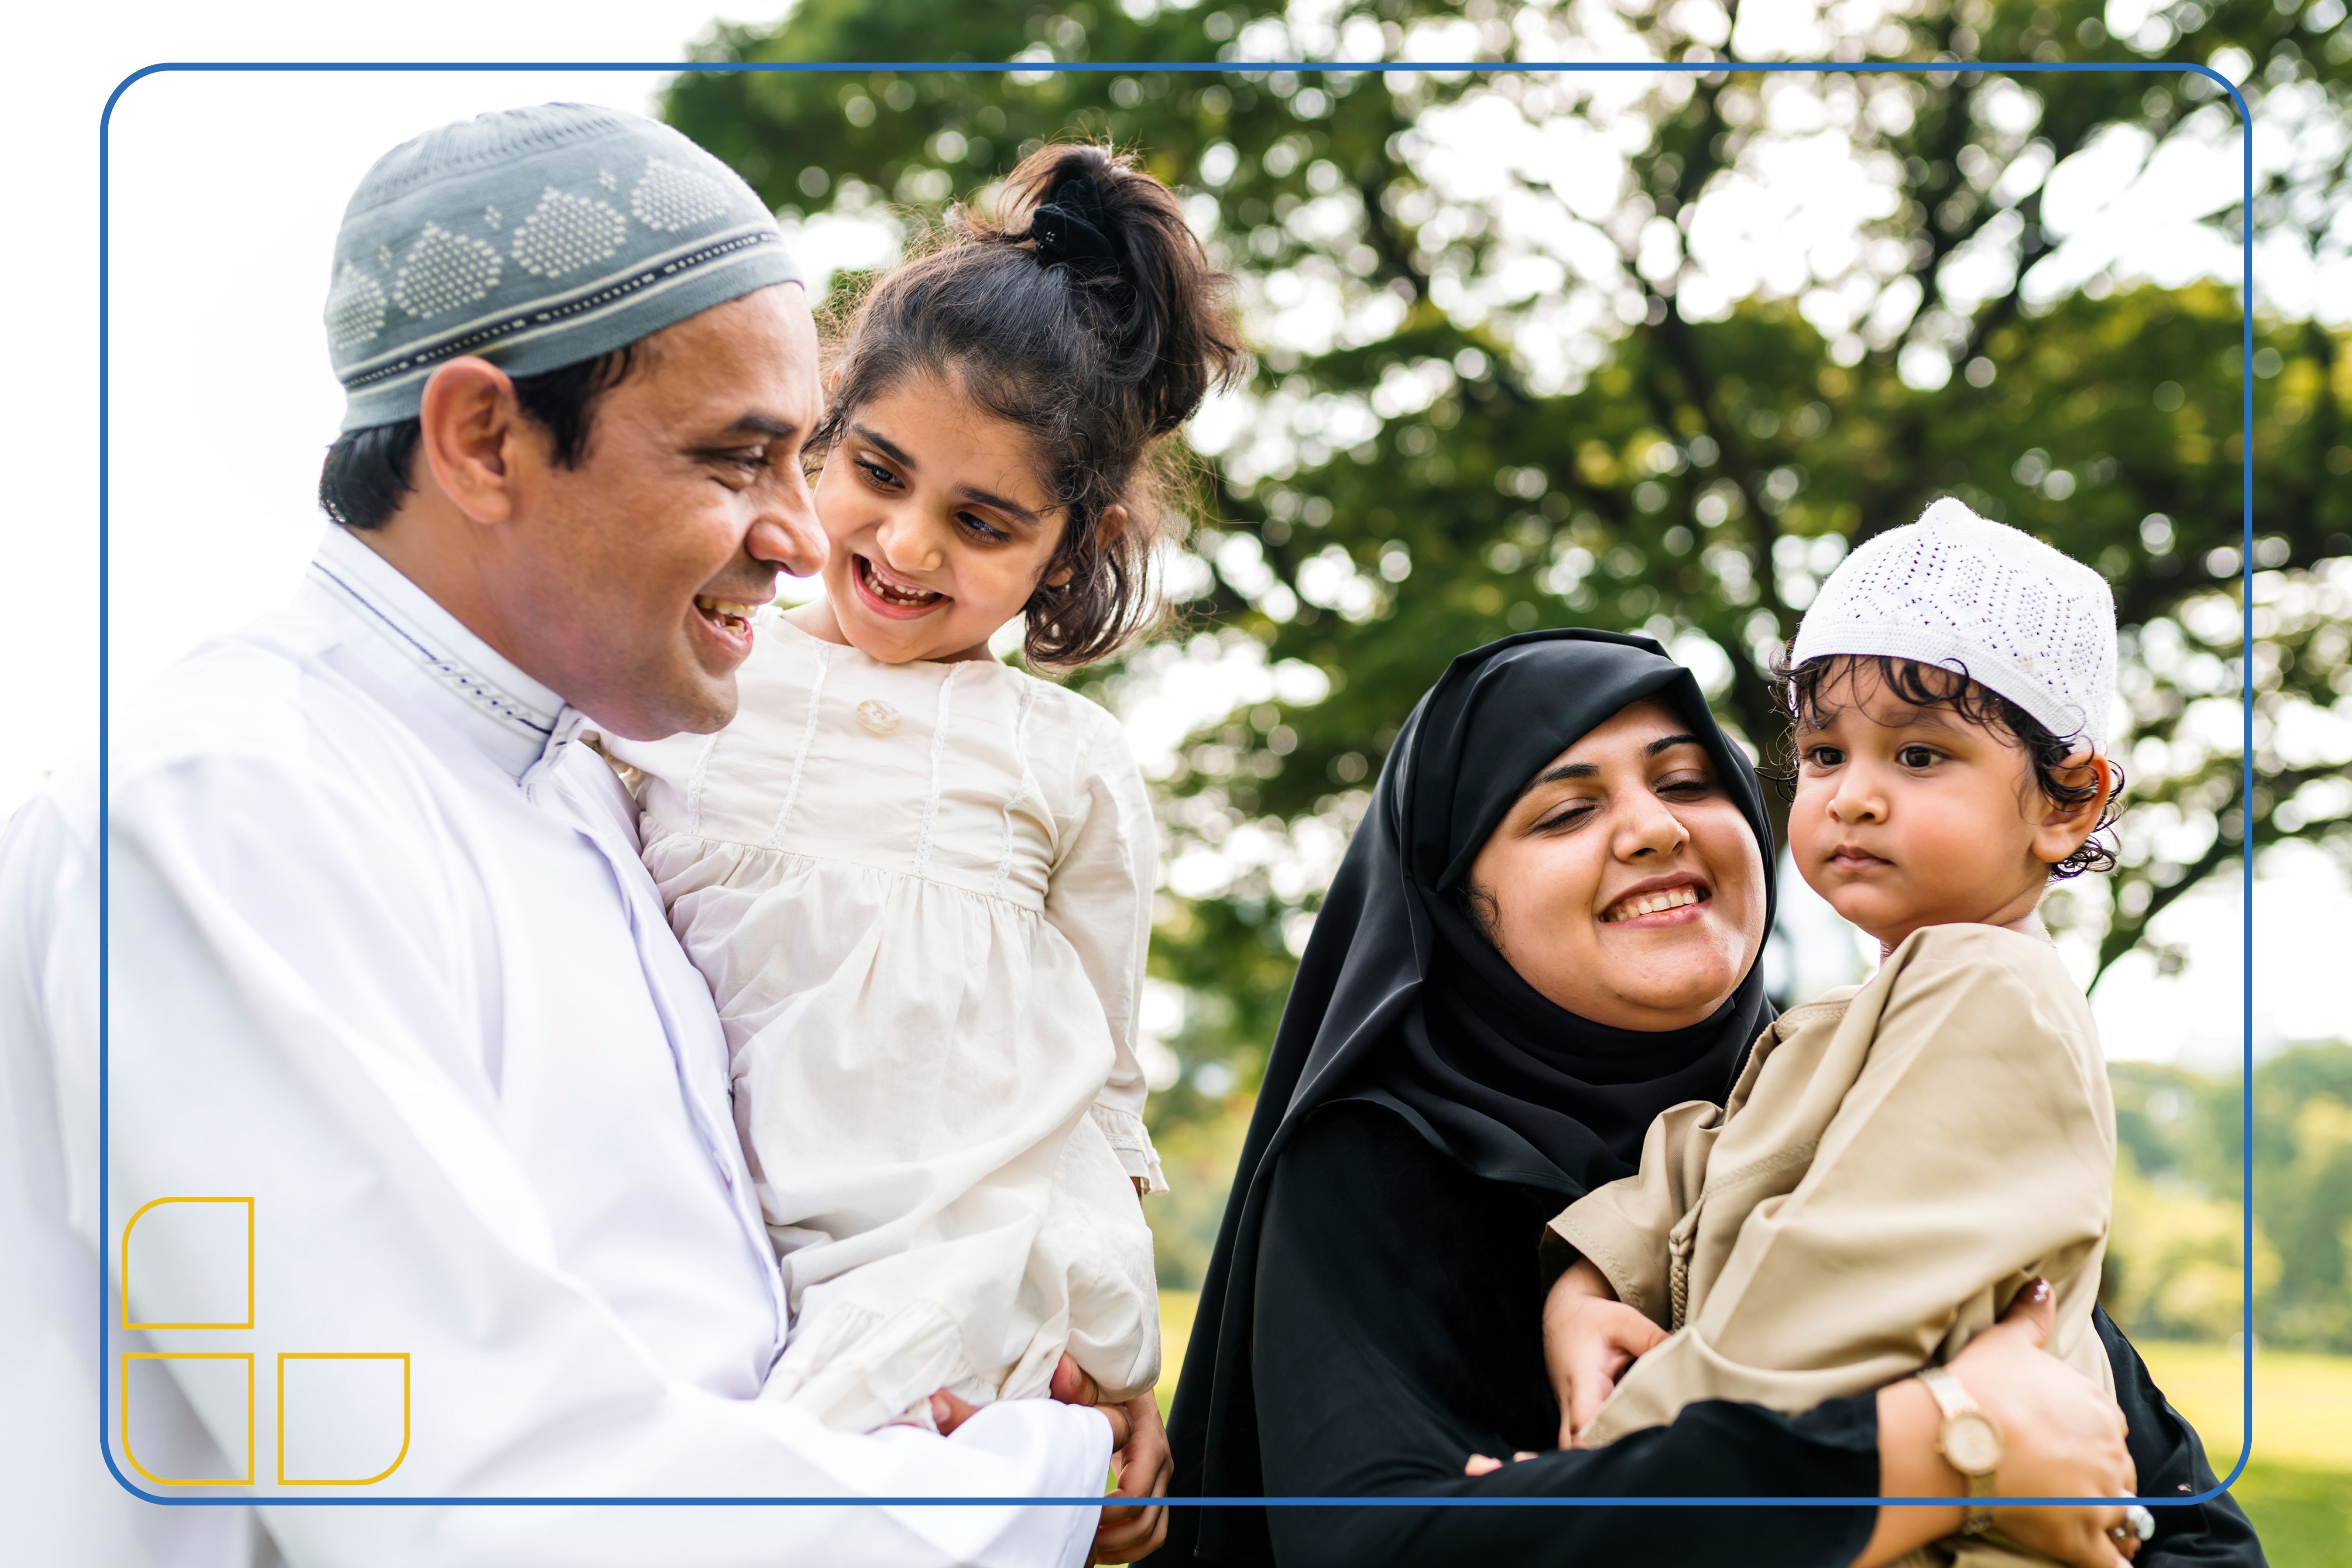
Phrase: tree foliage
[1510,373]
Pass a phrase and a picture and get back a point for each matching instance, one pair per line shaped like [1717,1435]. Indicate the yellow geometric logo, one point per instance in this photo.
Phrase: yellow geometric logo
[335,1404]
[286,1417]
[195,1216]
[244,1481]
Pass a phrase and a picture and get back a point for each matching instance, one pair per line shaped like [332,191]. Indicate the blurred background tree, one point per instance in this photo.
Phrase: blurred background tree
[1649,351]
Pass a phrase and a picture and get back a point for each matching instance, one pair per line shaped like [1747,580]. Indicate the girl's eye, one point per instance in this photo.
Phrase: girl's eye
[1915,757]
[877,472]
[1825,756]
[982,528]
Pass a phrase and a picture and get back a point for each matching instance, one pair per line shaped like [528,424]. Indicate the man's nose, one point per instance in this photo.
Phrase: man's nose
[786,533]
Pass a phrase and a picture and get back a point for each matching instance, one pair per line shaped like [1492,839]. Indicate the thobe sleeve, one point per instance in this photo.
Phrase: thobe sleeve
[291,1017]
[1386,1353]
[1972,1149]
[1623,1227]
[1098,896]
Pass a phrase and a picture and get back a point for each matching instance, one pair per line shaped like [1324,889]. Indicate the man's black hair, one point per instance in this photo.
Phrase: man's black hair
[367,471]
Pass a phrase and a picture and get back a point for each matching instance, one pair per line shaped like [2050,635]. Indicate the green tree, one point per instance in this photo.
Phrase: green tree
[2175,1264]
[1504,387]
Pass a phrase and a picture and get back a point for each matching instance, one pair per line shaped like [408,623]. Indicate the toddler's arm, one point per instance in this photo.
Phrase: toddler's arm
[1589,1338]
[1098,896]
[1973,1149]
[1621,1229]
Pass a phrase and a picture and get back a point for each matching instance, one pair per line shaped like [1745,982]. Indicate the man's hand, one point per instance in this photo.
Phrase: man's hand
[1589,1339]
[1140,1458]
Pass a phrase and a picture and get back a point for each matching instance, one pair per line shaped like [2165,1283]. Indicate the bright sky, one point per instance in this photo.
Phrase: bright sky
[228,188]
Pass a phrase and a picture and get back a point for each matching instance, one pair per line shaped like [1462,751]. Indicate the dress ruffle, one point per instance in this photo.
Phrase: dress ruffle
[1131,1141]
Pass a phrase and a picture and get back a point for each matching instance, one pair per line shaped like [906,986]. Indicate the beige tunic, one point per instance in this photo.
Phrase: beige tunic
[1895,1163]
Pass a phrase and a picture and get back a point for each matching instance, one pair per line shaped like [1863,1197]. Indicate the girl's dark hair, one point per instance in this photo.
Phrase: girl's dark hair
[1099,356]
[1806,689]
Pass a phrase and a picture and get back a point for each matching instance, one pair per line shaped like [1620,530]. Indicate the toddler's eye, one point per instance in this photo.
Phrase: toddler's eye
[1825,756]
[1915,757]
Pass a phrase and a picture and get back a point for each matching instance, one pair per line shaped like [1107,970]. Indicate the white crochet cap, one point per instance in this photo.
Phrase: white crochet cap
[1981,597]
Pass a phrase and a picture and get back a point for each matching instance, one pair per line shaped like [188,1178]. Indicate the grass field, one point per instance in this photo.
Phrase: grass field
[2297,1489]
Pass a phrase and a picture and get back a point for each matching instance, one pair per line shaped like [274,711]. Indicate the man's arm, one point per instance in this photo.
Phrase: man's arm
[392,1215]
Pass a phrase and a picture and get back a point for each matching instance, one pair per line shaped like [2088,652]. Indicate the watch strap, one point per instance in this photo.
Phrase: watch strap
[1954,1400]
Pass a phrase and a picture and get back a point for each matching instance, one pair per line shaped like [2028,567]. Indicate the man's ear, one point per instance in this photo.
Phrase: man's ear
[1112,524]
[2063,828]
[470,438]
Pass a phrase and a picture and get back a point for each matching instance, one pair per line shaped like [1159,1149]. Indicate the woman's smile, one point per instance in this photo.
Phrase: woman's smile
[1659,902]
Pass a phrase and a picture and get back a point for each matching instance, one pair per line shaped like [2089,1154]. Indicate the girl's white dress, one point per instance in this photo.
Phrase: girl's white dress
[921,894]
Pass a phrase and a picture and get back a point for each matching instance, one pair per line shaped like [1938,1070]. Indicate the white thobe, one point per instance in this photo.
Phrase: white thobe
[382,957]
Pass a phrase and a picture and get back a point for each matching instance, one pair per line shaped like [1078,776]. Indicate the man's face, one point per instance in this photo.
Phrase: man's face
[633,574]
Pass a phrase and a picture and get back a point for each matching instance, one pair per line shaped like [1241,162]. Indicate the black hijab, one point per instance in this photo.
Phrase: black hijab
[1401,1002]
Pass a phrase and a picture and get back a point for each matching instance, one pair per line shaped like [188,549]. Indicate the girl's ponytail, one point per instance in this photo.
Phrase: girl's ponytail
[1089,316]
[1167,322]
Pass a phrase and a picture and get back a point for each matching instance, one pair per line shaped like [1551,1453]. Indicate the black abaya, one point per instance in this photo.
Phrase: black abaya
[1371,1315]
[1355,1399]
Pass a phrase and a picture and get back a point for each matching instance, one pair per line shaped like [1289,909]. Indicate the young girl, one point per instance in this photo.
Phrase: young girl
[920,881]
[1898,1160]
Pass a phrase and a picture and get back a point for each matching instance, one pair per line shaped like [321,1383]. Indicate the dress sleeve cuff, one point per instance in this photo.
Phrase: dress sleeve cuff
[1133,1144]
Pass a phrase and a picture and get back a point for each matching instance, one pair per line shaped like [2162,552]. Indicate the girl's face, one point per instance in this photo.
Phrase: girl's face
[937,525]
[1624,884]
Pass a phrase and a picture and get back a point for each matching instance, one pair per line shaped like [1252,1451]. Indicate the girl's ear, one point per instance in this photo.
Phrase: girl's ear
[1112,524]
[2065,827]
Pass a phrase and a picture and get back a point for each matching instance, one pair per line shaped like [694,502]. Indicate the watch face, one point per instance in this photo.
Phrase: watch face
[1972,1443]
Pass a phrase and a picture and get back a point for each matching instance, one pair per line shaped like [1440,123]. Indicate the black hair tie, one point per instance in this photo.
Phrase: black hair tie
[1068,230]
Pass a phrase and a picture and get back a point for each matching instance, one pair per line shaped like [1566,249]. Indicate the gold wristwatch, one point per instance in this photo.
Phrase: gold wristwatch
[1971,1443]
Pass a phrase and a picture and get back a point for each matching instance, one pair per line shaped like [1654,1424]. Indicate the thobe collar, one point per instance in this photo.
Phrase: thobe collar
[518,724]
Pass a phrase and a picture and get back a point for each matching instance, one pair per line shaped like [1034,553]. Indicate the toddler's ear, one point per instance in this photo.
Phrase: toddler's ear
[2065,828]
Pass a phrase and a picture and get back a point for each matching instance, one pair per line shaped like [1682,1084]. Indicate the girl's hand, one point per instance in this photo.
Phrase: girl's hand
[1589,1339]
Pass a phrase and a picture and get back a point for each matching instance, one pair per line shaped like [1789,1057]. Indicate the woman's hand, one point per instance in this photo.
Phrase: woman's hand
[1589,1339]
[2062,1435]
[1140,1458]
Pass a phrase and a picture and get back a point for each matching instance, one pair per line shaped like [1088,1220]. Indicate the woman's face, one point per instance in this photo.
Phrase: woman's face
[1624,884]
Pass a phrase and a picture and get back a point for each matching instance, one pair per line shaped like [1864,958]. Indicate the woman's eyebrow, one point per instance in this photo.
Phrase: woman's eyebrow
[1562,773]
[1668,742]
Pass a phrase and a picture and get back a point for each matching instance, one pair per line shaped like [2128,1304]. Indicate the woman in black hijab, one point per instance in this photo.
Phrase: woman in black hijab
[1372,1314]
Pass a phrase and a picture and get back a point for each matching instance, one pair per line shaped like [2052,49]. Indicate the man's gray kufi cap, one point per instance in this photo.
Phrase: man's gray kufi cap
[534,237]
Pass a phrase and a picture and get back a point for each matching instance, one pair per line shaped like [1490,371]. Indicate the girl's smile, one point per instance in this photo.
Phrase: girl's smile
[887,593]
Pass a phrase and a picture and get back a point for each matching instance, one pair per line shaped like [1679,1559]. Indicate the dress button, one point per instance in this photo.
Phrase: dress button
[878,716]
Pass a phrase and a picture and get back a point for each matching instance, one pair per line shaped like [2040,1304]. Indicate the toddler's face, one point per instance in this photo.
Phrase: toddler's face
[1908,816]
[937,525]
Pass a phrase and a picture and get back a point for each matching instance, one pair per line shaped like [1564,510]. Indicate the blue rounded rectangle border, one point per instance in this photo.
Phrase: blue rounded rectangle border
[1972,68]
